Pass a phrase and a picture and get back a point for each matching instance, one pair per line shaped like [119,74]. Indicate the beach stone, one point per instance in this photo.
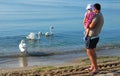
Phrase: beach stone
[4,74]
[58,72]
[100,66]
[118,71]
[108,74]
[51,74]
[72,70]
[111,65]
[43,74]
[14,74]
[103,72]
[105,66]
[77,69]
[65,71]
[82,69]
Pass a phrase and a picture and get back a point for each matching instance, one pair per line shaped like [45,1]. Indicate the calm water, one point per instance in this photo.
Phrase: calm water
[19,18]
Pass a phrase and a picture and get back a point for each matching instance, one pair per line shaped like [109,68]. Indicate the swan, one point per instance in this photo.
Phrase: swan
[39,34]
[31,36]
[22,46]
[49,33]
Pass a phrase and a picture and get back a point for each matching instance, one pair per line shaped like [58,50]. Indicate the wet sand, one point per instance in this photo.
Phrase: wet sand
[17,62]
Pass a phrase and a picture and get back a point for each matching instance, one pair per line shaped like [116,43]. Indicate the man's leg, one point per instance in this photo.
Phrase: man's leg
[93,59]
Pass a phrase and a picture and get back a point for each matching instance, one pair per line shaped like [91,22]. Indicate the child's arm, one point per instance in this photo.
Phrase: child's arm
[84,18]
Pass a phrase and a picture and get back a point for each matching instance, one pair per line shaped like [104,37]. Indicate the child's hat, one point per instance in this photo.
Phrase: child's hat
[89,6]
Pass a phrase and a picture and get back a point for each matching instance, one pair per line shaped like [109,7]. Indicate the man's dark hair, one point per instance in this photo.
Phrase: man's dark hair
[97,6]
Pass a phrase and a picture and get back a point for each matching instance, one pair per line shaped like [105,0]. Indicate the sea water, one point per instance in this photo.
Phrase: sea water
[19,18]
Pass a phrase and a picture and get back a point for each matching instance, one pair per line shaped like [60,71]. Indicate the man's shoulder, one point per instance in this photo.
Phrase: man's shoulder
[99,14]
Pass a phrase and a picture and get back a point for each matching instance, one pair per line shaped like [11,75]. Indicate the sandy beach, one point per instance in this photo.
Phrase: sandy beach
[109,64]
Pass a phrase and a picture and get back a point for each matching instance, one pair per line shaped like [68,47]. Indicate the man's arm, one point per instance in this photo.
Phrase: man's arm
[93,23]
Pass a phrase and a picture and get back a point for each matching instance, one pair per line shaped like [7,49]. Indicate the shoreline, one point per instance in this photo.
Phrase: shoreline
[75,61]
[51,60]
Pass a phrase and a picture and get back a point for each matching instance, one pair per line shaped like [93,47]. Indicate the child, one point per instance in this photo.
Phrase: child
[89,15]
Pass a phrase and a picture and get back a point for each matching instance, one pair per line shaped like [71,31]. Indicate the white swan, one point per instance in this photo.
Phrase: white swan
[31,36]
[49,33]
[39,34]
[22,46]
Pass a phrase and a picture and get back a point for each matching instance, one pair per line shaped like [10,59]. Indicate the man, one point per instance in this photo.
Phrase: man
[93,38]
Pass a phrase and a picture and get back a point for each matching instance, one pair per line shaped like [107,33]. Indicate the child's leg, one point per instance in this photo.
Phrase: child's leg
[86,32]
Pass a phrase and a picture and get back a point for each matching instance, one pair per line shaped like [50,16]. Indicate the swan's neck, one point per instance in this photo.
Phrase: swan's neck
[51,31]
[38,36]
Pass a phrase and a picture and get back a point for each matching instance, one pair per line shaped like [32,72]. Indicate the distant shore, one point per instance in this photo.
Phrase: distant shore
[108,64]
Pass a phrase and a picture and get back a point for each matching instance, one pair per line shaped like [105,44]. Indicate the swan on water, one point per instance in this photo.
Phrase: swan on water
[49,33]
[22,46]
[39,34]
[31,36]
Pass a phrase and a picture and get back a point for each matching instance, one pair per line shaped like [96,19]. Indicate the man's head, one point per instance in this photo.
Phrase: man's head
[97,7]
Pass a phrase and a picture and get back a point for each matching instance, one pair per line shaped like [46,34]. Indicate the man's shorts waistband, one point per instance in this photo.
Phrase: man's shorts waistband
[93,37]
